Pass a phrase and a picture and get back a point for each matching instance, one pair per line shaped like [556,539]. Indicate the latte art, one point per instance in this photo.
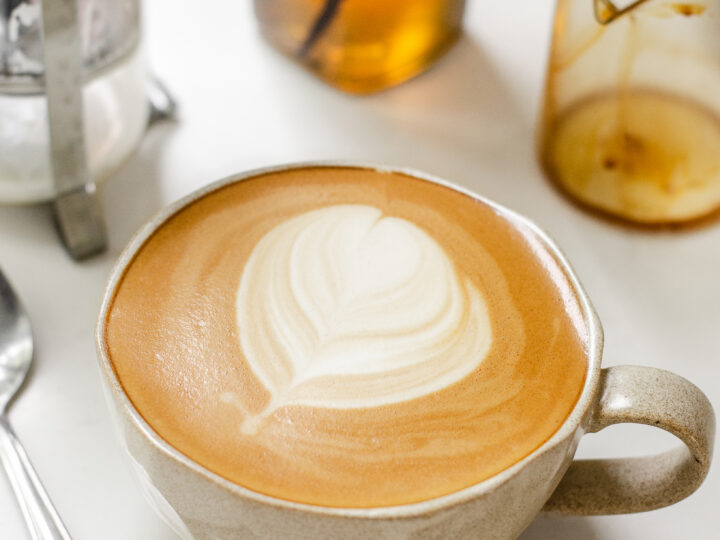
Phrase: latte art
[343,307]
[346,337]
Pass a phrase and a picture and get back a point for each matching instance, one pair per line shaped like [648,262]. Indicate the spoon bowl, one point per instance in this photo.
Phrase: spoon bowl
[16,344]
[16,355]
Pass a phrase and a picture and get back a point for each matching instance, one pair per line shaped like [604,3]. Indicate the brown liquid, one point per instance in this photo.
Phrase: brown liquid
[644,155]
[172,338]
[647,156]
[363,45]
[688,9]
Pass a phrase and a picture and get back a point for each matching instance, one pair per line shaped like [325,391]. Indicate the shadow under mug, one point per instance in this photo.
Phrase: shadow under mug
[199,503]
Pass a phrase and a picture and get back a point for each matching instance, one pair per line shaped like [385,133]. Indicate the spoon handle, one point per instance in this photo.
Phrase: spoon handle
[41,517]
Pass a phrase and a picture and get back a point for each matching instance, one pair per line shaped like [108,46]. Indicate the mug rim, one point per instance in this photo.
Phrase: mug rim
[567,429]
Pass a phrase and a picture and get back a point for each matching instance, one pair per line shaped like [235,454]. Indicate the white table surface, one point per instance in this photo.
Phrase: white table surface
[470,120]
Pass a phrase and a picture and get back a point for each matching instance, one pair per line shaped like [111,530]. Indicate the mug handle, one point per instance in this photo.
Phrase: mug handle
[641,395]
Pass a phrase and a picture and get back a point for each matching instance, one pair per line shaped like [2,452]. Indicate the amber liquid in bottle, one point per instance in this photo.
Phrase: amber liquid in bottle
[362,46]
[642,155]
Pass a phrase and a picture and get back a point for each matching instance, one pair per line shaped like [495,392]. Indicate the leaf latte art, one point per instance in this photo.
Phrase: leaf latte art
[347,337]
[343,307]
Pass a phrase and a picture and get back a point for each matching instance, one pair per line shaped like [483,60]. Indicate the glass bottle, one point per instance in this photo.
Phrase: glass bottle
[631,118]
[362,46]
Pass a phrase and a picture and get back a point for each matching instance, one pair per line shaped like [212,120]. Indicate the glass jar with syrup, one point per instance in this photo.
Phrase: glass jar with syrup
[631,117]
[362,46]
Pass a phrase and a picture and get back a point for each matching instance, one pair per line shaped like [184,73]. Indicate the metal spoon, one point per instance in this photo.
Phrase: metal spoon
[16,353]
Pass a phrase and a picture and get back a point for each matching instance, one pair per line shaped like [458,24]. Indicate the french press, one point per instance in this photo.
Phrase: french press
[630,123]
[74,104]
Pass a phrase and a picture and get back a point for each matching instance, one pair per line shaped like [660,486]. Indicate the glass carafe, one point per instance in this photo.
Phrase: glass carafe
[362,46]
[631,118]
[115,103]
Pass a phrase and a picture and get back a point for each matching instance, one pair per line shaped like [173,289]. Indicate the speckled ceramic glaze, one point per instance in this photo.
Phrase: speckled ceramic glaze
[200,504]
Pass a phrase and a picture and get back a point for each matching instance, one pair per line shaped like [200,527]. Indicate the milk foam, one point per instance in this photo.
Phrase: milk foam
[268,371]
[342,307]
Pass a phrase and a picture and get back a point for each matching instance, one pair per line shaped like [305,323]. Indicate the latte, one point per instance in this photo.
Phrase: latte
[347,337]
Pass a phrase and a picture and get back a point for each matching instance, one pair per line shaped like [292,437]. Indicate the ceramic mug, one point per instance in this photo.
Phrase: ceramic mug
[198,503]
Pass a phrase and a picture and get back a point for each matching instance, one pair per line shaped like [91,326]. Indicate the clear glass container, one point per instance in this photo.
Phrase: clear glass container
[631,117]
[362,46]
[115,99]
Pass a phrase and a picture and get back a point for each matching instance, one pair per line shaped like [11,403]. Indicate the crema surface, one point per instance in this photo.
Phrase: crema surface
[346,337]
